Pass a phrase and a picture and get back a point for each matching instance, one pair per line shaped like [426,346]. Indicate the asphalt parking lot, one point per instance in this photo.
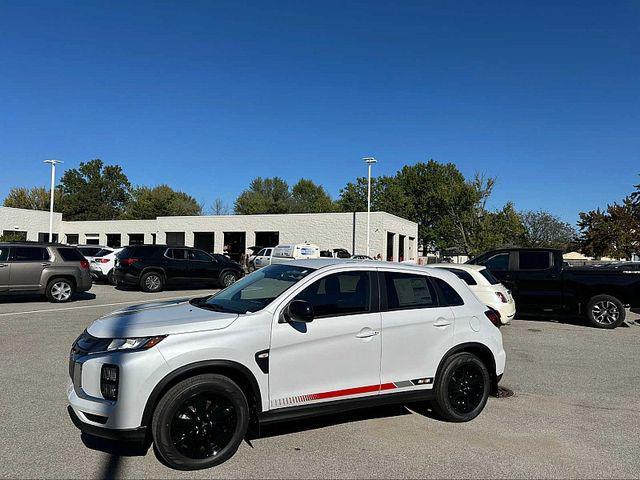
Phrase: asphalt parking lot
[575,412]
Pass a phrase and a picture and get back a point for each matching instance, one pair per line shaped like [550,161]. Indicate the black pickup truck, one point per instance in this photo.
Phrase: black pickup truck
[541,282]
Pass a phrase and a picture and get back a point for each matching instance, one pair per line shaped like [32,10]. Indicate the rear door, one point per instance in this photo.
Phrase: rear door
[5,268]
[177,265]
[539,281]
[416,330]
[27,264]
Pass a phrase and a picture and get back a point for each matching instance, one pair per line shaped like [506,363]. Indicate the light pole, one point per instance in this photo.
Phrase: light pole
[369,161]
[53,185]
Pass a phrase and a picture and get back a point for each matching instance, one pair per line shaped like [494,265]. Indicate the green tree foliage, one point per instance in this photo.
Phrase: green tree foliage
[11,237]
[543,229]
[387,195]
[36,198]
[308,197]
[264,195]
[614,232]
[160,201]
[94,191]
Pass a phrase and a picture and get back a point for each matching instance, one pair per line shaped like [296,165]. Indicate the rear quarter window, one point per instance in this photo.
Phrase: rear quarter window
[139,252]
[449,296]
[70,254]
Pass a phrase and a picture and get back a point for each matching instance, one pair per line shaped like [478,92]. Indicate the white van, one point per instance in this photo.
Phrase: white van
[286,252]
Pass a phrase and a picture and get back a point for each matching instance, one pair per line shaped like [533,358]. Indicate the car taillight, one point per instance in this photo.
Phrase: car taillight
[128,261]
[103,260]
[84,264]
[502,297]
[494,317]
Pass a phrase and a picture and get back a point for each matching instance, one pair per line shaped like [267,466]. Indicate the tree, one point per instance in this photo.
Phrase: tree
[543,229]
[94,191]
[160,201]
[36,198]
[264,195]
[308,197]
[219,207]
[387,195]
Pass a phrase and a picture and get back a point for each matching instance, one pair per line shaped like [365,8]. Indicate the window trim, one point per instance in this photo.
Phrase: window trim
[384,304]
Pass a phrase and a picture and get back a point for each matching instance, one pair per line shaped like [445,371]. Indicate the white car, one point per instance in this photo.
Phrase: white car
[486,287]
[262,258]
[290,340]
[101,266]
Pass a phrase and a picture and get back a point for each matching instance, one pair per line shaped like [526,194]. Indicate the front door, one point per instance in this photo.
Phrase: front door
[27,264]
[337,355]
[203,267]
[5,268]
[539,285]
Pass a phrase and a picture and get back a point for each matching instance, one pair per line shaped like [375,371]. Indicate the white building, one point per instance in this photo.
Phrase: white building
[392,237]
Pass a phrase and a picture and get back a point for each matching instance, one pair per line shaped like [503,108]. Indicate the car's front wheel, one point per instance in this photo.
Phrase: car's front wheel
[60,290]
[200,422]
[462,388]
[228,278]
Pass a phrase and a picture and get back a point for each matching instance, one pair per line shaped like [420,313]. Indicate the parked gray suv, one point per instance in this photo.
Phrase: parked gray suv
[55,270]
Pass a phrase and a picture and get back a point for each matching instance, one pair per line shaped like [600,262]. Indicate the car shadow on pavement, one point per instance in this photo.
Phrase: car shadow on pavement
[28,298]
[116,451]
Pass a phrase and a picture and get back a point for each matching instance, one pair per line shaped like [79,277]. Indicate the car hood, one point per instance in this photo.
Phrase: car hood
[159,318]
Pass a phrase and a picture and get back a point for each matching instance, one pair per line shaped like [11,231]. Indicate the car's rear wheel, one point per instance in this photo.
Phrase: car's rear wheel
[110,278]
[200,422]
[228,278]
[462,388]
[152,282]
[60,290]
[605,311]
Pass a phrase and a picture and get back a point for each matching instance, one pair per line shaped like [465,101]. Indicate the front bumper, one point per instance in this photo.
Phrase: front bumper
[129,435]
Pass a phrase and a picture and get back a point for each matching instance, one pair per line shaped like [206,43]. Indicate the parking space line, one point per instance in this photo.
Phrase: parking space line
[79,307]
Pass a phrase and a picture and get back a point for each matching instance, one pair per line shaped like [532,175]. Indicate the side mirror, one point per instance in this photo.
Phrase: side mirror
[299,311]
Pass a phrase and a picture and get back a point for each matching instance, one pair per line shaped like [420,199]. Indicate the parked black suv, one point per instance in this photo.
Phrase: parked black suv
[151,267]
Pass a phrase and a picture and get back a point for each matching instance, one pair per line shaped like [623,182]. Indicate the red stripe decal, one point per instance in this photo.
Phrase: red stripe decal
[352,391]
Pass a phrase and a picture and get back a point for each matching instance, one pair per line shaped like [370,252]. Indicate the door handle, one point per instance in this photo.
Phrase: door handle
[366,333]
[2,265]
[442,322]
[46,264]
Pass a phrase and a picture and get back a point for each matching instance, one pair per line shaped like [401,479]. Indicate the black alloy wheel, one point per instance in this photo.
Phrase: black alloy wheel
[203,425]
[466,388]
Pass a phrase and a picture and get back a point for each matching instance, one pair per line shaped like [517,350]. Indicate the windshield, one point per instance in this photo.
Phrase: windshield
[256,291]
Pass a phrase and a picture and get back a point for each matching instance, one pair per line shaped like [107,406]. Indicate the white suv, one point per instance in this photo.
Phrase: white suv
[296,339]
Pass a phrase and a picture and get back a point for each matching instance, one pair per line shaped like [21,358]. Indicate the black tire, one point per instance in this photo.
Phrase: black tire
[605,311]
[462,388]
[60,290]
[110,278]
[227,278]
[183,430]
[152,282]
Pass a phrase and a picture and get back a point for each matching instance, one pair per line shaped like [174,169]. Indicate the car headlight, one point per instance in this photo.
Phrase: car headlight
[136,343]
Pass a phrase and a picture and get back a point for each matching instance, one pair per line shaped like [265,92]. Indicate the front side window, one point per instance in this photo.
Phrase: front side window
[406,291]
[339,294]
[30,254]
[199,256]
[534,260]
[267,253]
[262,252]
[256,291]
[4,254]
[498,262]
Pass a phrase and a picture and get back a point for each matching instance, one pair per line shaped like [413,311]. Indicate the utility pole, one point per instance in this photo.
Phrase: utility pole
[369,161]
[53,185]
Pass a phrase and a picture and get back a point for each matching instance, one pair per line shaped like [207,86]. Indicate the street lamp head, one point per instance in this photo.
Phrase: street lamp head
[53,162]
[369,160]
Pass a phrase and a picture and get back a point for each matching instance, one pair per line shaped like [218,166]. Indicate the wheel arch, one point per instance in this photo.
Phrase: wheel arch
[233,370]
[481,351]
[155,269]
[56,276]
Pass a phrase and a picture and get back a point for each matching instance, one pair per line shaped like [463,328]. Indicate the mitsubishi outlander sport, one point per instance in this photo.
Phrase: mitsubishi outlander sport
[301,338]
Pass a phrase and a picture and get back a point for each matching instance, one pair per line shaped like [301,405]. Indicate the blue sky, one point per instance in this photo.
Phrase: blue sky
[205,96]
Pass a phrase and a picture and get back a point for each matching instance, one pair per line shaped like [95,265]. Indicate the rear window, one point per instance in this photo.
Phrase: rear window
[449,296]
[489,276]
[70,254]
[462,275]
[89,251]
[534,260]
[103,252]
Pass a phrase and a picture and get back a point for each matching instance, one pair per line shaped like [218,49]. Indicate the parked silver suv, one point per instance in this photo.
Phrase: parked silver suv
[55,270]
